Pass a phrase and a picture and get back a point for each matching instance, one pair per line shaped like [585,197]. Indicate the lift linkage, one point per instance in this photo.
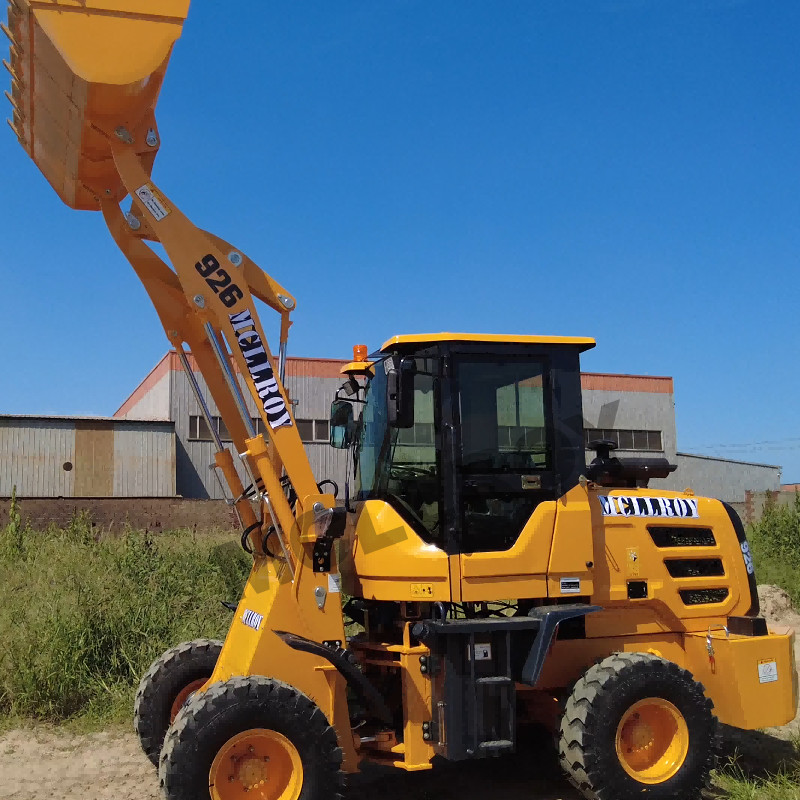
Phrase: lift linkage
[207,304]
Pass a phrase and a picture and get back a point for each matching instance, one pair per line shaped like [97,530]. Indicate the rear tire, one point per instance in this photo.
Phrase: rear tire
[638,726]
[166,686]
[251,734]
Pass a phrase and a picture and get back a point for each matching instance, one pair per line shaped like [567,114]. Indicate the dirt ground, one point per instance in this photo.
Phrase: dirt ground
[42,763]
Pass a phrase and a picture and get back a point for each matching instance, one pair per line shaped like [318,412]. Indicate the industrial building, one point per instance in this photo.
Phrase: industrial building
[158,443]
[637,412]
[86,457]
[165,394]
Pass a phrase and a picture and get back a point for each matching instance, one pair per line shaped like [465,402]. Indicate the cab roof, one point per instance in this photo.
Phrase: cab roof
[582,342]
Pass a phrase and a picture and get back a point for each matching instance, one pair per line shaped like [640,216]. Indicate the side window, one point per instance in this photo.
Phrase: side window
[520,419]
[414,474]
[502,409]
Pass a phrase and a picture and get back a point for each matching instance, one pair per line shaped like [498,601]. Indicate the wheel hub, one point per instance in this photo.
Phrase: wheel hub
[638,735]
[250,771]
[183,696]
[652,740]
[256,764]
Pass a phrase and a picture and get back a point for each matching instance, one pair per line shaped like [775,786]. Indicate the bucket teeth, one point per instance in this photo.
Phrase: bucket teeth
[12,101]
[14,128]
[15,47]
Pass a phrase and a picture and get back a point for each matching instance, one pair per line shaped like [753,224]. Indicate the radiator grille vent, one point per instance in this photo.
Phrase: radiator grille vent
[701,597]
[694,567]
[668,536]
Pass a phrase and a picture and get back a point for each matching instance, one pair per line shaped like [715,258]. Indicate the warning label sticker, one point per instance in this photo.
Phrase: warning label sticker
[767,671]
[334,583]
[570,586]
[481,652]
[152,202]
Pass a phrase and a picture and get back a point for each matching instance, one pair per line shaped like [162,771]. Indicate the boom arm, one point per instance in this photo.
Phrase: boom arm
[212,309]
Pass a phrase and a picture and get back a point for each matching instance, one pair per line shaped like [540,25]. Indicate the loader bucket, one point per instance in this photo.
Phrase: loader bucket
[82,71]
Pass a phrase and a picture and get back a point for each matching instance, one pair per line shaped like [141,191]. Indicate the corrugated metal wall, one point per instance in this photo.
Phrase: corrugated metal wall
[51,457]
[32,457]
[144,461]
[721,478]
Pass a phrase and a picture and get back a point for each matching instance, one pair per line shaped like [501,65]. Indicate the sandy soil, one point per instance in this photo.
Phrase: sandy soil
[40,764]
[43,763]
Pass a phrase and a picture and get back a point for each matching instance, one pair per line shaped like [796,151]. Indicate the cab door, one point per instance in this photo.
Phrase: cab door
[503,473]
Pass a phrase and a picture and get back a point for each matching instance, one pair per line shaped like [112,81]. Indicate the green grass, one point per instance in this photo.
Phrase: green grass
[775,543]
[759,768]
[738,786]
[82,619]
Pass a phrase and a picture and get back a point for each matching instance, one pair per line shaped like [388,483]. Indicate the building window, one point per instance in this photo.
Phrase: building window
[643,441]
[322,430]
[310,430]
[313,430]
[199,430]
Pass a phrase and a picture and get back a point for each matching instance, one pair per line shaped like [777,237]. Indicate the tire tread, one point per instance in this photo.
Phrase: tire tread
[577,748]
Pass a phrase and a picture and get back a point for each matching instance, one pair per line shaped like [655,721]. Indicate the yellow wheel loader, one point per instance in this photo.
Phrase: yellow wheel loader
[497,579]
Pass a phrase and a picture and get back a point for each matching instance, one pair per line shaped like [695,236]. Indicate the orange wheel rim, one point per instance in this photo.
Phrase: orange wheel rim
[652,740]
[183,696]
[257,764]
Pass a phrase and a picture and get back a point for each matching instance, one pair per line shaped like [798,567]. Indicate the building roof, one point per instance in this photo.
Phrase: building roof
[84,418]
[728,460]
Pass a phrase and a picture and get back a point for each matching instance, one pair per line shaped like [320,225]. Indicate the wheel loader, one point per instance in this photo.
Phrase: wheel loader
[492,578]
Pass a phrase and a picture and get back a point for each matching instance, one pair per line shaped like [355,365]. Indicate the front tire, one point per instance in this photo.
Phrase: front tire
[251,734]
[638,726]
[166,686]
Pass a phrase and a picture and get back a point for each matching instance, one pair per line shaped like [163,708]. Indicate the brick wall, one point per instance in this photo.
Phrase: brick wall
[110,514]
[755,502]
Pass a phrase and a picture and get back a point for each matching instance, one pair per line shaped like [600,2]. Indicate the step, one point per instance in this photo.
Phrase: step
[497,744]
[496,680]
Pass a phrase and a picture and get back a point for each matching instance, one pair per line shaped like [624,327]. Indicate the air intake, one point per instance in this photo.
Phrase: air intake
[673,536]
[694,567]
[702,597]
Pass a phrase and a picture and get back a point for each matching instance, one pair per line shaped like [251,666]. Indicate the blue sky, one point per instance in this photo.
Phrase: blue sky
[623,169]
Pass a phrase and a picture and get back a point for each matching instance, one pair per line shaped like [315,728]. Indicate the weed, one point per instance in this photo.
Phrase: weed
[12,538]
[775,542]
[83,619]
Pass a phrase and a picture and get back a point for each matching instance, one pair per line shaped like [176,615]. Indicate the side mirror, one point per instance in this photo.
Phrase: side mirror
[342,424]
[400,394]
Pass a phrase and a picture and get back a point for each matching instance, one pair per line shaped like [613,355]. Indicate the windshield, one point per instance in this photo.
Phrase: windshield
[401,465]
[375,439]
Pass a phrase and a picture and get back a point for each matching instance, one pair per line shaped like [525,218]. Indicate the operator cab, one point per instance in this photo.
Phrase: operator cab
[464,435]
